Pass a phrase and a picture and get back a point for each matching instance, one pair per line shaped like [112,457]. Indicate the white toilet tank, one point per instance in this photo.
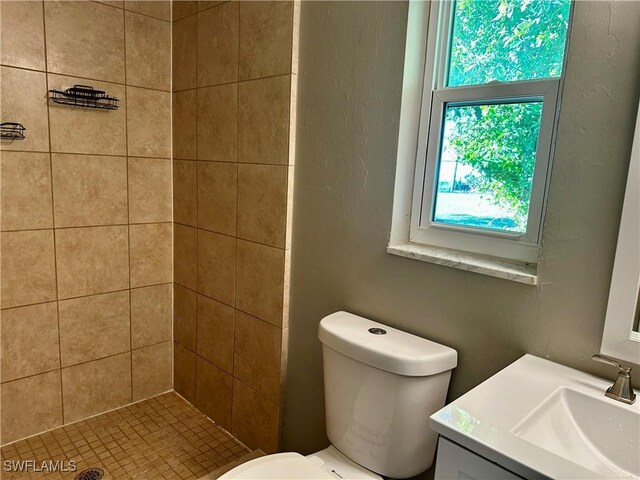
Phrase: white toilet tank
[380,387]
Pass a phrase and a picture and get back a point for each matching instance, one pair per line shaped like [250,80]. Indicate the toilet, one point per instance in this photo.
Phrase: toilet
[380,385]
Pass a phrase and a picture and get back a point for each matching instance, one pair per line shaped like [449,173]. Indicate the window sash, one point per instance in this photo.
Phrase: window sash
[514,246]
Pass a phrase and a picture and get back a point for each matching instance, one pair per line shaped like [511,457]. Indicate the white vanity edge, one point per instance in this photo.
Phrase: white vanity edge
[500,403]
[467,261]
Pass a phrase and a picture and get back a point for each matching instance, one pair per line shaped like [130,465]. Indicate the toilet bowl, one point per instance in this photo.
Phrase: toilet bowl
[381,385]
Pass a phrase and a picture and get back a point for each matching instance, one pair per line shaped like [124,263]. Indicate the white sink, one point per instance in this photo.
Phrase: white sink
[542,420]
[591,431]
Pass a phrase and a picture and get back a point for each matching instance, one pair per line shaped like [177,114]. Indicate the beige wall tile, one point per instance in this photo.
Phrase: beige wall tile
[91,260]
[260,287]
[150,257]
[80,33]
[257,355]
[217,119]
[25,191]
[148,51]
[184,125]
[214,391]
[88,130]
[149,190]
[157,9]
[29,341]
[23,100]
[184,316]
[185,192]
[256,419]
[30,405]
[27,270]
[183,8]
[97,386]
[89,190]
[151,315]
[266,32]
[22,34]
[218,45]
[94,327]
[151,370]
[263,120]
[184,375]
[185,258]
[148,123]
[215,332]
[217,266]
[262,203]
[217,192]
[184,51]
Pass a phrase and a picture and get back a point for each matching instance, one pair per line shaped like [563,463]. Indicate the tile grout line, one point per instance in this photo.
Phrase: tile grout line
[148,157]
[97,359]
[133,11]
[211,7]
[227,305]
[232,236]
[61,74]
[13,307]
[236,82]
[195,373]
[103,225]
[171,195]
[53,213]
[235,276]
[126,141]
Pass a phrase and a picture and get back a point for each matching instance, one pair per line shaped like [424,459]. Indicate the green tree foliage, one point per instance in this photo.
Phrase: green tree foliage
[498,141]
[507,40]
[503,40]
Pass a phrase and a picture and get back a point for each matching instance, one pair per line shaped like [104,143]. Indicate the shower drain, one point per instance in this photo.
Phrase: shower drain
[90,474]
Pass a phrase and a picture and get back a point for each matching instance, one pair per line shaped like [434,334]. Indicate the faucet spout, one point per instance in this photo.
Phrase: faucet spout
[621,390]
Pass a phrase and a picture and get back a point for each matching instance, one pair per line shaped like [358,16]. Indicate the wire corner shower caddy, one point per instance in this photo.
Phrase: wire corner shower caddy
[84,96]
[12,131]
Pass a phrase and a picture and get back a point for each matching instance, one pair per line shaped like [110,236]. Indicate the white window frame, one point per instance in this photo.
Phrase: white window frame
[435,96]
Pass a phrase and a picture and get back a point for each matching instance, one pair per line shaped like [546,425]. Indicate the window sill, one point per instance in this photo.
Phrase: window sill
[467,261]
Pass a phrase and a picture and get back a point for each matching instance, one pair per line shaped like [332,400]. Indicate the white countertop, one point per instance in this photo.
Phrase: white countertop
[483,419]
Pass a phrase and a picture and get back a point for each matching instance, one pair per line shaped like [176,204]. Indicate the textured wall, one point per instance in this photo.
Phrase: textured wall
[350,82]
[86,212]
[234,85]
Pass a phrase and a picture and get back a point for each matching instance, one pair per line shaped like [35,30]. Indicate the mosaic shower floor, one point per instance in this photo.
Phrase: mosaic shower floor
[163,437]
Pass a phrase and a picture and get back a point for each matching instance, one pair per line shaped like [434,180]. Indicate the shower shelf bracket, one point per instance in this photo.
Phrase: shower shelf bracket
[12,131]
[84,96]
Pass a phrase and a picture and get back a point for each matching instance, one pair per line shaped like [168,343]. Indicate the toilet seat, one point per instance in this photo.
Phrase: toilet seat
[279,466]
[325,464]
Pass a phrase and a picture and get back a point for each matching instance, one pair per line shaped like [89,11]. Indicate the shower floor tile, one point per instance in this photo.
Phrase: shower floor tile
[163,437]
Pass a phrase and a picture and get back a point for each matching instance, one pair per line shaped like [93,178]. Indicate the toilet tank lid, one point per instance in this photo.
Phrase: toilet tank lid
[394,351]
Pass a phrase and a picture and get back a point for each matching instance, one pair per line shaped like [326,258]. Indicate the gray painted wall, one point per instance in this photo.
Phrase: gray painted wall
[350,81]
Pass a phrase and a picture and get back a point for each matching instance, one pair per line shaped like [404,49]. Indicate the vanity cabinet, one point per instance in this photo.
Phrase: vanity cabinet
[457,463]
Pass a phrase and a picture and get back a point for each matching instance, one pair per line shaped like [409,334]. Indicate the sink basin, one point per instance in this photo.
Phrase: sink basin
[542,420]
[591,431]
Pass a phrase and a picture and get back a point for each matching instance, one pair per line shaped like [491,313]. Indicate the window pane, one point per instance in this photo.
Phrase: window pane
[486,166]
[507,40]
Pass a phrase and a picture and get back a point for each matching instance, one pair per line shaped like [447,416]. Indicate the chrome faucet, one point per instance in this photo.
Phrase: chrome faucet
[621,389]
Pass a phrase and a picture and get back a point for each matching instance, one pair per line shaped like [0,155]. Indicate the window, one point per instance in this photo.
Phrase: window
[488,111]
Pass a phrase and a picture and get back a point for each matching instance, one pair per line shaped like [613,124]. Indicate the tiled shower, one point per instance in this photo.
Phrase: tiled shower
[147,248]
[233,97]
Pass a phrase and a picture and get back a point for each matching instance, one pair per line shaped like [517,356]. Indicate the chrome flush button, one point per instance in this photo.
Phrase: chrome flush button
[378,331]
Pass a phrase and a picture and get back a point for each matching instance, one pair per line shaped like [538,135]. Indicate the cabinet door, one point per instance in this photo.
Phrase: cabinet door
[457,463]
